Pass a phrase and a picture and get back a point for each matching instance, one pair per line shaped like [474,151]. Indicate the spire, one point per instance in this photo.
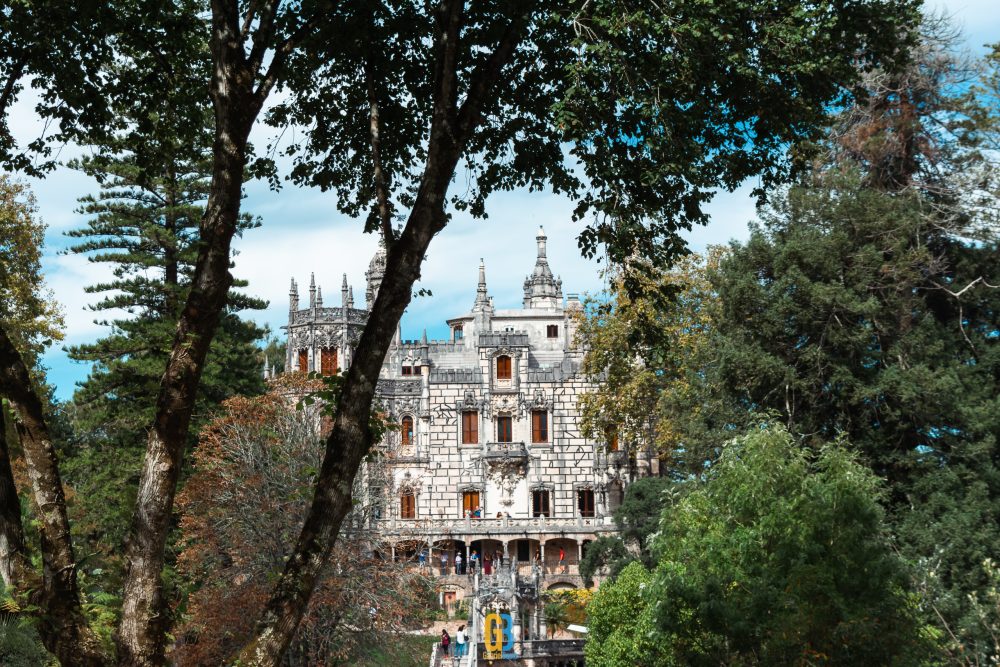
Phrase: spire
[343,292]
[350,297]
[423,339]
[541,288]
[319,297]
[293,296]
[312,290]
[482,299]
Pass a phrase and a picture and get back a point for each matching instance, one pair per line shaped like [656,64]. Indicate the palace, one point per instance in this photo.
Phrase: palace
[489,460]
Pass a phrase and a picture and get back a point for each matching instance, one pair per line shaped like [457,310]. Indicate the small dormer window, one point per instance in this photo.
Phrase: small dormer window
[552,331]
[458,332]
[503,367]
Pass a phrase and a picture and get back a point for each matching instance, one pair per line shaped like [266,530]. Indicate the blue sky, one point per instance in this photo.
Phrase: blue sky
[302,232]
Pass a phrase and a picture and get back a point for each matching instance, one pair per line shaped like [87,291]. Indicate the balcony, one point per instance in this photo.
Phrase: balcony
[520,526]
[496,451]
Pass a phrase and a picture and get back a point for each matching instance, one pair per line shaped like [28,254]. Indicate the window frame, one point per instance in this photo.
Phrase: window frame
[586,510]
[537,509]
[552,331]
[466,496]
[303,361]
[540,433]
[504,370]
[406,437]
[470,427]
[328,361]
[403,502]
[508,420]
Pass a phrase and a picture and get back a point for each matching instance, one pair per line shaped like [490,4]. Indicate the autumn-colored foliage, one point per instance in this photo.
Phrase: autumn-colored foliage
[241,511]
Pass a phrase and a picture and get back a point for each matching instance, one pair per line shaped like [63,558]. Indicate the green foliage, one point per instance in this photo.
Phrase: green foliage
[637,518]
[29,312]
[20,645]
[779,557]
[636,112]
[622,626]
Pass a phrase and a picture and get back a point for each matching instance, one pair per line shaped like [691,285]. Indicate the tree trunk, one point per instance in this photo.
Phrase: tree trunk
[13,562]
[350,439]
[144,621]
[62,624]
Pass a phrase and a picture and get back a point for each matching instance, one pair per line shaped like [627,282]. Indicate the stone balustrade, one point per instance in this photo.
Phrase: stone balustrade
[494,526]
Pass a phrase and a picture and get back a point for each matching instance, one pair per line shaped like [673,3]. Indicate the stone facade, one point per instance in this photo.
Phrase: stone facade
[490,456]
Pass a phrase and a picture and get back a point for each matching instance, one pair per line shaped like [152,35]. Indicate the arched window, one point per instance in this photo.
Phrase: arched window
[406,428]
[407,505]
[503,367]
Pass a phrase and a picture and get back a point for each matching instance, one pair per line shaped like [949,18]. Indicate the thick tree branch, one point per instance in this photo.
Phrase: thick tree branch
[381,187]
[63,626]
[6,96]
[283,50]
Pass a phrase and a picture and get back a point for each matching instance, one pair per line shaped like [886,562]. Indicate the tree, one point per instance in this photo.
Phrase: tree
[241,507]
[659,111]
[145,224]
[621,624]
[649,353]
[637,519]
[28,310]
[779,557]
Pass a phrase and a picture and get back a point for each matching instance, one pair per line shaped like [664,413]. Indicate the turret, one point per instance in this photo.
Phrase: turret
[312,290]
[541,288]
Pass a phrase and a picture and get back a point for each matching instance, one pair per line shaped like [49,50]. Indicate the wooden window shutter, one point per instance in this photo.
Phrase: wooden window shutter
[304,361]
[539,426]
[406,427]
[328,361]
[503,368]
[470,427]
[408,506]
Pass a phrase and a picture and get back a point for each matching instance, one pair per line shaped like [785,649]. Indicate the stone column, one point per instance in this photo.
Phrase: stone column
[541,555]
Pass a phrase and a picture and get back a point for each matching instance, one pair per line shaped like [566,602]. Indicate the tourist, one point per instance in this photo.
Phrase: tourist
[458,564]
[445,641]
[562,560]
[422,558]
[460,642]
[444,563]
[473,562]
[498,558]
[478,514]
[487,565]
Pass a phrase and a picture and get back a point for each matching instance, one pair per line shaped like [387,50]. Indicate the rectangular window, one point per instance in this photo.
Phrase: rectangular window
[407,506]
[539,426]
[458,332]
[540,503]
[407,370]
[552,331]
[585,502]
[503,368]
[328,361]
[504,429]
[304,361]
[470,427]
[470,501]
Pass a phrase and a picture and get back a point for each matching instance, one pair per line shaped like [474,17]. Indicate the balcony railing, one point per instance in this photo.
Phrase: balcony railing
[494,526]
[506,450]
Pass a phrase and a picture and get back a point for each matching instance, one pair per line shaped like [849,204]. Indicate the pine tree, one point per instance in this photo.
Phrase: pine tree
[145,225]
